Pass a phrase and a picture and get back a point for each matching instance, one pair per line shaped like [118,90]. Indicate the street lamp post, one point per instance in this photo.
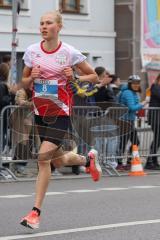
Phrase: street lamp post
[134,37]
[15,12]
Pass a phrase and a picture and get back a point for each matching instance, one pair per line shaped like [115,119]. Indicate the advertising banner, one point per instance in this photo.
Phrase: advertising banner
[150,39]
[152,75]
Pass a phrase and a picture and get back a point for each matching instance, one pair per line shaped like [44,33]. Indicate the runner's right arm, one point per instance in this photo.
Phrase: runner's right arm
[29,74]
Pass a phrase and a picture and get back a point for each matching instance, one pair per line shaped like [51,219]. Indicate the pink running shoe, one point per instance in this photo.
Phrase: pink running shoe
[87,170]
[31,220]
[95,168]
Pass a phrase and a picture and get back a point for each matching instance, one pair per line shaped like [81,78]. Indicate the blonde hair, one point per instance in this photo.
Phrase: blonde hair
[57,15]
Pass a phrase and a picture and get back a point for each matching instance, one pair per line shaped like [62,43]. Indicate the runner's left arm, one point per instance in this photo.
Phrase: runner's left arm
[89,75]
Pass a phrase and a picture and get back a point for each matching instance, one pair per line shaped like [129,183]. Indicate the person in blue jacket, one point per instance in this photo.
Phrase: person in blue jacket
[129,97]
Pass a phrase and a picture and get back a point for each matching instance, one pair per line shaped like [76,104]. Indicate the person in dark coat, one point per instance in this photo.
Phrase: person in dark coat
[115,85]
[4,90]
[154,120]
[4,96]
[105,96]
[105,92]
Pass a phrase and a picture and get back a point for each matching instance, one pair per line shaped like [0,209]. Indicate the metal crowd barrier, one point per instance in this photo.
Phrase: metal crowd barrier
[17,139]
[102,126]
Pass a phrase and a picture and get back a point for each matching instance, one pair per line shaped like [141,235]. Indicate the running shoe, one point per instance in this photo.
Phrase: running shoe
[87,170]
[31,220]
[94,166]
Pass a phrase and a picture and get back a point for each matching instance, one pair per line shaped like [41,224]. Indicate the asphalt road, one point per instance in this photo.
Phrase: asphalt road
[116,208]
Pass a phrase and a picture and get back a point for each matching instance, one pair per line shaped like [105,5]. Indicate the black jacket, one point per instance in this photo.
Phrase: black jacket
[5,98]
[155,96]
[154,115]
[105,95]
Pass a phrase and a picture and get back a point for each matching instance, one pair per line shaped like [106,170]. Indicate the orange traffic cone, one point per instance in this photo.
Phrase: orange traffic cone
[136,165]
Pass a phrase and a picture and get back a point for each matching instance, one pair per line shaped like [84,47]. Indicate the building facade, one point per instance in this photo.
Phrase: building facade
[87,25]
[128,40]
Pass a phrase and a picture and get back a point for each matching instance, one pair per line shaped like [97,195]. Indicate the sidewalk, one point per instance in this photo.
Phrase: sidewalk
[31,171]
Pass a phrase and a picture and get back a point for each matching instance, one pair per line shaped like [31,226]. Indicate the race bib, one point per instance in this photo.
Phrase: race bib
[46,88]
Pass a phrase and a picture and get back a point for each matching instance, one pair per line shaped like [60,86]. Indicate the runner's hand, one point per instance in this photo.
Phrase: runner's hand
[35,73]
[68,71]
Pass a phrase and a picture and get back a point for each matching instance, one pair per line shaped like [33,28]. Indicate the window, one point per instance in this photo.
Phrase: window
[24,4]
[74,6]
[69,6]
[8,4]
[5,3]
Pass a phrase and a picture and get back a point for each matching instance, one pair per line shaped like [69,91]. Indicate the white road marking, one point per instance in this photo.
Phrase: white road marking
[55,193]
[113,189]
[83,229]
[15,196]
[143,187]
[81,191]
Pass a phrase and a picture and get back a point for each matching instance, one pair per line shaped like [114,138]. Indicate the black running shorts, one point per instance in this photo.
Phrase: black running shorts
[52,129]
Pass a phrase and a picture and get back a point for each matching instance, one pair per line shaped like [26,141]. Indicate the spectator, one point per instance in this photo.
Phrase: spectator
[13,88]
[22,129]
[129,97]
[115,84]
[83,95]
[154,120]
[5,97]
[7,59]
[106,94]
[4,72]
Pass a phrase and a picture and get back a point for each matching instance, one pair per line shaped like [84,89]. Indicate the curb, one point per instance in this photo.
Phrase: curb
[70,177]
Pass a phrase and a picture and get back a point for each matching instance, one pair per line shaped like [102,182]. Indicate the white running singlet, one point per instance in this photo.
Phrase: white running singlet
[50,94]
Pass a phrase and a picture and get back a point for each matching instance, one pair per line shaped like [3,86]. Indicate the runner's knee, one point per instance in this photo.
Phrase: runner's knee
[43,159]
[58,163]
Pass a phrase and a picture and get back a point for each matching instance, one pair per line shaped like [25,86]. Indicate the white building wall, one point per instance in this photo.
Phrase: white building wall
[92,33]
